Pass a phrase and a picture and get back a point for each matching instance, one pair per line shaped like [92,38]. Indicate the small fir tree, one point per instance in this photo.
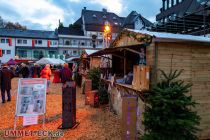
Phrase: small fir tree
[94,75]
[168,114]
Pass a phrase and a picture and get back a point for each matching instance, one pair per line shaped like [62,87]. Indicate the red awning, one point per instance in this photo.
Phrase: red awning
[11,62]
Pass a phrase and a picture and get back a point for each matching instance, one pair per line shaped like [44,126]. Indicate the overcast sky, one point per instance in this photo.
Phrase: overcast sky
[45,14]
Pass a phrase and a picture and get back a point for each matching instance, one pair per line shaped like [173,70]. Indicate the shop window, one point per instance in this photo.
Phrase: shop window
[36,54]
[22,53]
[74,52]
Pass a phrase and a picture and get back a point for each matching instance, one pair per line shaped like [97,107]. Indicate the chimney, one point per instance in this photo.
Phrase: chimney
[85,8]
[104,10]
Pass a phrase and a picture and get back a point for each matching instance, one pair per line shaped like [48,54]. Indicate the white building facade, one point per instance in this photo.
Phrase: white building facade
[8,50]
[27,45]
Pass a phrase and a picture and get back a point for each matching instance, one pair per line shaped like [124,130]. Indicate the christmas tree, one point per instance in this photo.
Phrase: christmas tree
[168,114]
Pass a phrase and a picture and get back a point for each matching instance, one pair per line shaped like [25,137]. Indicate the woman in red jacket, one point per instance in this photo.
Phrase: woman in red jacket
[46,73]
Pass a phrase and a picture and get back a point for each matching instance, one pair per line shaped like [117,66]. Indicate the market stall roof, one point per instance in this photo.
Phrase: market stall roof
[52,61]
[162,35]
[11,62]
[143,37]
[89,52]
[71,59]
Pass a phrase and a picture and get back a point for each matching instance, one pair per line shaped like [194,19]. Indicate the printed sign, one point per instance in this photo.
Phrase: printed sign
[30,120]
[31,97]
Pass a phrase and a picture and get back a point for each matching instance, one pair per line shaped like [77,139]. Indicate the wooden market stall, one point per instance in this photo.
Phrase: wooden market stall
[164,51]
[87,63]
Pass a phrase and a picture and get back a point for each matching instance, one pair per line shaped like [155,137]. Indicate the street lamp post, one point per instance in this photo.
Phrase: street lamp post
[107,34]
[106,42]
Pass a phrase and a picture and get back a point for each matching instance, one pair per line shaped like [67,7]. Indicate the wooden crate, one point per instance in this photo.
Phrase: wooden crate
[87,97]
[141,77]
[94,99]
[88,85]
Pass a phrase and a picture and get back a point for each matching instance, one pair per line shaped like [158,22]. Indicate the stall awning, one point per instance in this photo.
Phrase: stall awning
[134,49]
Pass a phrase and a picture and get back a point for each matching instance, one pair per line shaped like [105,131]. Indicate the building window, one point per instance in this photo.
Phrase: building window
[7,40]
[55,43]
[19,41]
[39,42]
[24,41]
[3,51]
[67,42]
[74,42]
[8,51]
[60,42]
[74,52]
[100,42]
[94,16]
[175,2]
[22,53]
[166,7]
[52,53]
[2,40]
[64,51]
[169,4]
[36,54]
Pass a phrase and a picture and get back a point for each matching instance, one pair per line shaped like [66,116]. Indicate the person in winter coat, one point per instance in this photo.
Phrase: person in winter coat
[65,74]
[24,71]
[56,78]
[46,73]
[6,76]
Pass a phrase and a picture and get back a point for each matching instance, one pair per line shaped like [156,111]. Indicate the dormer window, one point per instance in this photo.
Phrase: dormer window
[104,16]
[94,16]
[114,18]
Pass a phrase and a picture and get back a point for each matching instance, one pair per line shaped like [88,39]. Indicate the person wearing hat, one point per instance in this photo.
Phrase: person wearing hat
[6,76]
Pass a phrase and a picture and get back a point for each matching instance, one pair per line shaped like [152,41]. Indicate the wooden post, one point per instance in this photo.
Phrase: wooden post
[125,63]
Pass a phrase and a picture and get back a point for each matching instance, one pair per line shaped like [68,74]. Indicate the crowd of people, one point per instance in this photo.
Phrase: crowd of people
[61,74]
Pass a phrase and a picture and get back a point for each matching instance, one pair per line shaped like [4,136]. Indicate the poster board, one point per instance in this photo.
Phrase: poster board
[31,97]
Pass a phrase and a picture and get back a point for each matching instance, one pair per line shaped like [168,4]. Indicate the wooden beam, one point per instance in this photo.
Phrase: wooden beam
[118,56]
[131,50]
[124,62]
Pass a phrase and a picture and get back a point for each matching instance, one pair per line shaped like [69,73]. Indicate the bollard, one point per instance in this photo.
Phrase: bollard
[68,105]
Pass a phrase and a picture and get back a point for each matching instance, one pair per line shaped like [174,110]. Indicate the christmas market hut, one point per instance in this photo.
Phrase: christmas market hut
[86,63]
[140,54]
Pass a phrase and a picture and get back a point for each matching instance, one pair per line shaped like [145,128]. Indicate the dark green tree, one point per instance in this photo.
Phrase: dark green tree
[168,114]
[94,75]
